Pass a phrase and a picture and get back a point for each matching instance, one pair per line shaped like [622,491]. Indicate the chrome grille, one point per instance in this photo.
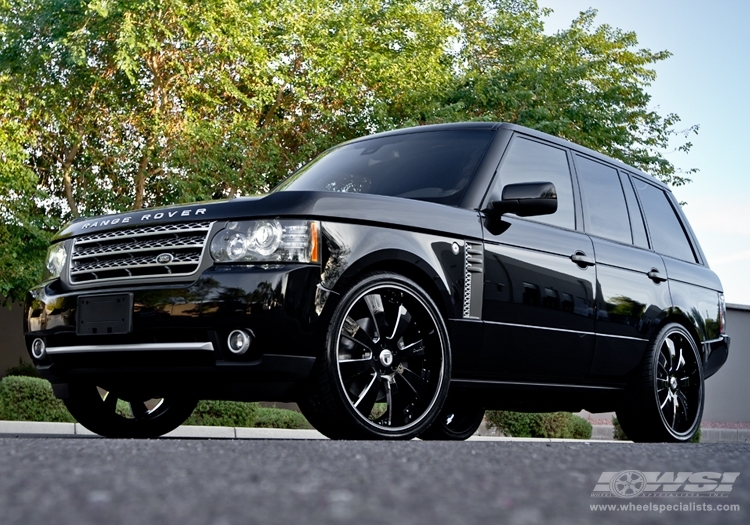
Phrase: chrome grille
[141,252]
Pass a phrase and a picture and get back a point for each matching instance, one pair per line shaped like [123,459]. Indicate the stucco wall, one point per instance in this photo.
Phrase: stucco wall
[11,338]
[728,391]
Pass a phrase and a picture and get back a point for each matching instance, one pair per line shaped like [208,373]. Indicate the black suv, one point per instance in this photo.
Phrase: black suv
[397,286]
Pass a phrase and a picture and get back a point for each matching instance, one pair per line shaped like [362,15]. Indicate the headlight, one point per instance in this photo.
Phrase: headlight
[56,257]
[267,240]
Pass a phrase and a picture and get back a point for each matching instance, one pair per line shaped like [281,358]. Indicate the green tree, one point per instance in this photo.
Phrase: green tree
[587,83]
[111,105]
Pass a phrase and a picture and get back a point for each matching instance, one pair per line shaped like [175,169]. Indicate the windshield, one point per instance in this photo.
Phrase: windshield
[434,166]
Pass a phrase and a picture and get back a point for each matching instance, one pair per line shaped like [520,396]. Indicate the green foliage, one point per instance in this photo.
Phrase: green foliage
[620,435]
[269,417]
[23,368]
[117,105]
[580,428]
[539,425]
[223,414]
[30,399]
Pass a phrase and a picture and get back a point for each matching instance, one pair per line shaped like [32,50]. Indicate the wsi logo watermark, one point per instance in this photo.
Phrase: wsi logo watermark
[634,483]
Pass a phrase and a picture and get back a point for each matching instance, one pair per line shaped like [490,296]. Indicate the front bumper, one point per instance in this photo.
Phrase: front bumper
[178,333]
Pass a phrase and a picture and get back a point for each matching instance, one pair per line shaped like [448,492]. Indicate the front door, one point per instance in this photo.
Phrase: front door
[539,278]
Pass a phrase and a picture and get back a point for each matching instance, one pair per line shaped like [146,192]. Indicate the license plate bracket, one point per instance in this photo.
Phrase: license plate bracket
[107,314]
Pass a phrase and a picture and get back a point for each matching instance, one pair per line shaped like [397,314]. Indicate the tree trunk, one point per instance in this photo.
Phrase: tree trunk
[67,168]
[140,177]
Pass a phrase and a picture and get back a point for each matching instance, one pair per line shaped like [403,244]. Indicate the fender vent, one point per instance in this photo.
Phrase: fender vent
[473,280]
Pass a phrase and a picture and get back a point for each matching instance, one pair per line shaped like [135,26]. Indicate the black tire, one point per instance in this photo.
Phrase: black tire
[664,402]
[458,420]
[386,366]
[97,410]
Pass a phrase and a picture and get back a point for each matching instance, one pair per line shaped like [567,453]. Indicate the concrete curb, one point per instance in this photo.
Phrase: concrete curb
[600,434]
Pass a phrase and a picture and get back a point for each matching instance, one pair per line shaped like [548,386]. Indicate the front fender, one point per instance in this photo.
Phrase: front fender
[435,262]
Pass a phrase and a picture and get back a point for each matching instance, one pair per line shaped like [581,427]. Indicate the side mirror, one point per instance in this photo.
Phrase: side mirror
[527,199]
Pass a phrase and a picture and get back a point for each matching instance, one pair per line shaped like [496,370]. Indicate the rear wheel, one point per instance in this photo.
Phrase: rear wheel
[458,420]
[386,367]
[665,400]
[116,416]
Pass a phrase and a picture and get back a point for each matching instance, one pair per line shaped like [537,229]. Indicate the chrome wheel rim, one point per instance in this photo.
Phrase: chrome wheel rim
[679,383]
[390,352]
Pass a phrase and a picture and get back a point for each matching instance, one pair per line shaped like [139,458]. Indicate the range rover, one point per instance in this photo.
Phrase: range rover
[397,286]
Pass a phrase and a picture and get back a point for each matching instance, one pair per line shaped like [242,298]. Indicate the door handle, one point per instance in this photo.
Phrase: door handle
[655,276]
[582,260]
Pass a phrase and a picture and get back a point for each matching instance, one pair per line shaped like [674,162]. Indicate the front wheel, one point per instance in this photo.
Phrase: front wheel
[386,367]
[665,400]
[111,415]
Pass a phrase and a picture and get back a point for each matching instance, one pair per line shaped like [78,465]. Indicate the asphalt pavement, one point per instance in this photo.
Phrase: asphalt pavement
[88,480]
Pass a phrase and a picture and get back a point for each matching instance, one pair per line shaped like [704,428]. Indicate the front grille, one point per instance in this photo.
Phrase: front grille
[148,251]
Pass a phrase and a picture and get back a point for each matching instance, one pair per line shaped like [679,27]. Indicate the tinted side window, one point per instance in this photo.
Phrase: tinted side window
[604,210]
[531,161]
[667,234]
[640,238]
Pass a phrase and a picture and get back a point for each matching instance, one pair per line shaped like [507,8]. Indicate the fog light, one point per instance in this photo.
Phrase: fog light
[38,349]
[239,341]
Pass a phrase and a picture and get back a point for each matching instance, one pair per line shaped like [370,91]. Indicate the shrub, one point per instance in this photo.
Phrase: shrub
[545,425]
[223,414]
[582,429]
[24,398]
[280,418]
[619,434]
[22,369]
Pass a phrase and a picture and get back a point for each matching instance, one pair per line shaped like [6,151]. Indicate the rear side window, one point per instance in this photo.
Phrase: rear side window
[667,234]
[605,213]
[531,161]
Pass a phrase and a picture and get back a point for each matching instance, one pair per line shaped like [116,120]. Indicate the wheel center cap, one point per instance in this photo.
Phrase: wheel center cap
[386,358]
[673,383]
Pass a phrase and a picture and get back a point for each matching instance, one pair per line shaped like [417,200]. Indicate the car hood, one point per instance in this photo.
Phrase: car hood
[321,205]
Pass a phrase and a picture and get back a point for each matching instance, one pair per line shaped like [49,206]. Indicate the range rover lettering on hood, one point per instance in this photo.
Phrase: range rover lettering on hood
[144,217]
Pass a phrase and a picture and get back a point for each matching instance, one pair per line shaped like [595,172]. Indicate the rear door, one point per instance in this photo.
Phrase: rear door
[632,293]
[538,303]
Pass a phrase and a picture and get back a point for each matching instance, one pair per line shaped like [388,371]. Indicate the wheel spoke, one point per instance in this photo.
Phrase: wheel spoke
[414,349]
[110,401]
[669,396]
[138,409]
[417,383]
[368,396]
[403,319]
[358,341]
[680,361]
[354,367]
[396,406]
[670,347]
[389,402]
[357,332]
[374,304]
[684,406]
